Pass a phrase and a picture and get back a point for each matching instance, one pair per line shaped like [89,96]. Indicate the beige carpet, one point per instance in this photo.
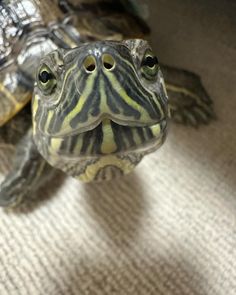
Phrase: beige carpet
[170,227]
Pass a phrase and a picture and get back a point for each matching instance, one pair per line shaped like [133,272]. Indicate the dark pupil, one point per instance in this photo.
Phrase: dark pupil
[150,61]
[44,77]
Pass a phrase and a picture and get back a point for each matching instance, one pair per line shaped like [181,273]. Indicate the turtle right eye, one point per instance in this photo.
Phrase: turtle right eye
[149,66]
[150,61]
[46,80]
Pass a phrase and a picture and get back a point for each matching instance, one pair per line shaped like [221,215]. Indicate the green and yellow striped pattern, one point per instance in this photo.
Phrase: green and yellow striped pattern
[99,113]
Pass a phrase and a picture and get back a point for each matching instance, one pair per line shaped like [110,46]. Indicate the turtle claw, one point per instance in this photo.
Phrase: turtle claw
[193,116]
[9,197]
[189,102]
[29,172]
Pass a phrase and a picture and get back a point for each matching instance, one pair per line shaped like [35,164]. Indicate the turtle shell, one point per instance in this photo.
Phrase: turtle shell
[28,31]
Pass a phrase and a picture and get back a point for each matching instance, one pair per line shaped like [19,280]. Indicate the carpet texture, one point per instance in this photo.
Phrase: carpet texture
[168,228]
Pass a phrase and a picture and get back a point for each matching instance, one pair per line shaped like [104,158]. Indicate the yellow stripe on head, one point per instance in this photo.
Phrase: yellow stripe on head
[81,101]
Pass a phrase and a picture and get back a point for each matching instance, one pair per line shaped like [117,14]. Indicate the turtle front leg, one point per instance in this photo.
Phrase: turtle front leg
[28,173]
[189,102]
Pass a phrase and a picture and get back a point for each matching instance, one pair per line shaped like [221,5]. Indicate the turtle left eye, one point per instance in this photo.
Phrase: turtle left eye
[45,76]
[46,80]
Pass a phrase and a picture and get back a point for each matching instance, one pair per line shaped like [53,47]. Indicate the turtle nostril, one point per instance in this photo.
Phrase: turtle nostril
[89,64]
[90,68]
[108,61]
[107,65]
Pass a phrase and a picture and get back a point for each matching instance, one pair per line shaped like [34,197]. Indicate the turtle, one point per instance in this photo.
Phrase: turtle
[82,91]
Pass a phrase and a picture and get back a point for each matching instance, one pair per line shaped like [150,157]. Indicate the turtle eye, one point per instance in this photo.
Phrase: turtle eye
[150,61]
[45,76]
[149,66]
[46,80]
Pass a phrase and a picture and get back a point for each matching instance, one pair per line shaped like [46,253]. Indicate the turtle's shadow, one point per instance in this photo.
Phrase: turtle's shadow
[174,274]
[226,175]
[117,206]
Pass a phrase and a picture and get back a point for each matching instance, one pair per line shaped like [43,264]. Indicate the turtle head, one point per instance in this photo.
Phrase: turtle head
[99,99]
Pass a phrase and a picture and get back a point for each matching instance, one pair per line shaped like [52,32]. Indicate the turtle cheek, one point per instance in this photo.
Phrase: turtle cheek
[41,113]
[34,107]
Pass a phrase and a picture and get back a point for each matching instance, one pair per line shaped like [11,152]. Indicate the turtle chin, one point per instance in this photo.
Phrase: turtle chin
[105,150]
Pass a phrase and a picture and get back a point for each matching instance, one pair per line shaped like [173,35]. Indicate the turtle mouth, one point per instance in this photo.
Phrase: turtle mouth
[110,137]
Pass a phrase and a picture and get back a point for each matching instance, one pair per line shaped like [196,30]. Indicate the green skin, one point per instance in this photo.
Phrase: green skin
[125,117]
[96,106]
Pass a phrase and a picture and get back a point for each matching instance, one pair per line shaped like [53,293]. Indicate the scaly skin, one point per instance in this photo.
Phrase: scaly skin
[101,109]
